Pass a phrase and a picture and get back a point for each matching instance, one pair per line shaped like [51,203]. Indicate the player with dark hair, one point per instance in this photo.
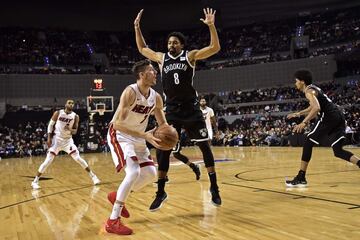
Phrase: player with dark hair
[177,68]
[62,126]
[127,141]
[330,124]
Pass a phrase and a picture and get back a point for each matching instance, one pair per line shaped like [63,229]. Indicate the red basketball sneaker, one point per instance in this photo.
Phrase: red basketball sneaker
[112,198]
[117,227]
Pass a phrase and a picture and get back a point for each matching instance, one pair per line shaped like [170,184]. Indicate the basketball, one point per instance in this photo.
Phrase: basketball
[168,136]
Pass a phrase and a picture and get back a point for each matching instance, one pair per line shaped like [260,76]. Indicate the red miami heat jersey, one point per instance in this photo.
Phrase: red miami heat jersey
[63,120]
[139,113]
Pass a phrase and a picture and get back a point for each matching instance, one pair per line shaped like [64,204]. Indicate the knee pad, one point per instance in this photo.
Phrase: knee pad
[207,153]
[163,159]
[339,152]
[79,160]
[176,155]
[48,160]
[307,150]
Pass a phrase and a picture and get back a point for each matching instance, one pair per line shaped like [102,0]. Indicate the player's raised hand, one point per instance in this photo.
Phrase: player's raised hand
[138,18]
[209,16]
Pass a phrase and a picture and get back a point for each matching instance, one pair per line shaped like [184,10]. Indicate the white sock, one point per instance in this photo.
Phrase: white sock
[116,211]
[91,174]
[36,179]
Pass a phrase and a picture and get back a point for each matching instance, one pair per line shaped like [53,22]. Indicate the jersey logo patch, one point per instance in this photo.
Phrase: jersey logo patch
[142,109]
[182,58]
[203,132]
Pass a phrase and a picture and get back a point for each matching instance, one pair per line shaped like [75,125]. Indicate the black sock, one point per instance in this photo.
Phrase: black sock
[192,165]
[301,174]
[358,163]
[161,185]
[213,181]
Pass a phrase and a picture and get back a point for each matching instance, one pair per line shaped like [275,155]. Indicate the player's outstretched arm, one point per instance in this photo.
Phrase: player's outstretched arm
[214,45]
[141,44]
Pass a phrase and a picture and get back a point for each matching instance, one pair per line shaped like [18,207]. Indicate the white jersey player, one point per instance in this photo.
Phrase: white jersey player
[127,140]
[209,117]
[63,124]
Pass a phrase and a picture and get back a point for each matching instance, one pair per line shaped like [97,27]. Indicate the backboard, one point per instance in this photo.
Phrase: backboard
[96,103]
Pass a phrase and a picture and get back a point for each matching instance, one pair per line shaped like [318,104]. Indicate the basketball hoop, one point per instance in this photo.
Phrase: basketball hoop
[101,111]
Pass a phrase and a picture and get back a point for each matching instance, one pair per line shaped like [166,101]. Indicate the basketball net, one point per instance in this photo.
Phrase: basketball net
[101,112]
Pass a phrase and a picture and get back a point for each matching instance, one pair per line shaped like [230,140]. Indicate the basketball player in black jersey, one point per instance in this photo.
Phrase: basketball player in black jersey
[330,124]
[177,68]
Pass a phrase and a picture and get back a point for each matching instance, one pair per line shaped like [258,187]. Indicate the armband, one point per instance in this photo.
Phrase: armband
[51,126]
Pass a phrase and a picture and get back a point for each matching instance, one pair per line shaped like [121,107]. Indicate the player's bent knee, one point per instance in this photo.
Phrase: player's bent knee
[48,160]
[132,171]
[339,152]
[79,160]
[133,174]
[150,172]
[307,150]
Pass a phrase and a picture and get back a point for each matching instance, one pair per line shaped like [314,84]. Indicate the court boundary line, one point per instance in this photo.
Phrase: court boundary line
[52,194]
[298,196]
[266,178]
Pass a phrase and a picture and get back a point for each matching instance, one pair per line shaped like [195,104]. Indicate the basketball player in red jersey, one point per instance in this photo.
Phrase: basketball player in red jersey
[66,123]
[127,136]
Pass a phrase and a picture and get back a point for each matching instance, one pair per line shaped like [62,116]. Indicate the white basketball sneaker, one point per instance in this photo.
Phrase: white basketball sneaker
[95,180]
[35,185]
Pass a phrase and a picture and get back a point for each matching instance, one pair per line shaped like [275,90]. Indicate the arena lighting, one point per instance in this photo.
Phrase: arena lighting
[46,61]
[89,48]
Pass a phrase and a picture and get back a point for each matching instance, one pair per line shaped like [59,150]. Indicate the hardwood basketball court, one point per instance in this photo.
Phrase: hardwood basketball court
[256,204]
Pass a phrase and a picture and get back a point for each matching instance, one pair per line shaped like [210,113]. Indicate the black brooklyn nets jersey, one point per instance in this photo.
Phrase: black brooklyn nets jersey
[177,79]
[326,105]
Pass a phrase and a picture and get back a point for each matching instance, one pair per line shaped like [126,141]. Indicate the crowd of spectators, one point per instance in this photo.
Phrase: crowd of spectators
[58,51]
[25,140]
[262,128]
[30,139]
[281,99]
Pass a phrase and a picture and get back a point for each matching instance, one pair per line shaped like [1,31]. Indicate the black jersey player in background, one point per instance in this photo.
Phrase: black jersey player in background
[330,125]
[177,68]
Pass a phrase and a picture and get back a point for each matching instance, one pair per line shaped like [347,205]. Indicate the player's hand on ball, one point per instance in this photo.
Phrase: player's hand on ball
[150,138]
